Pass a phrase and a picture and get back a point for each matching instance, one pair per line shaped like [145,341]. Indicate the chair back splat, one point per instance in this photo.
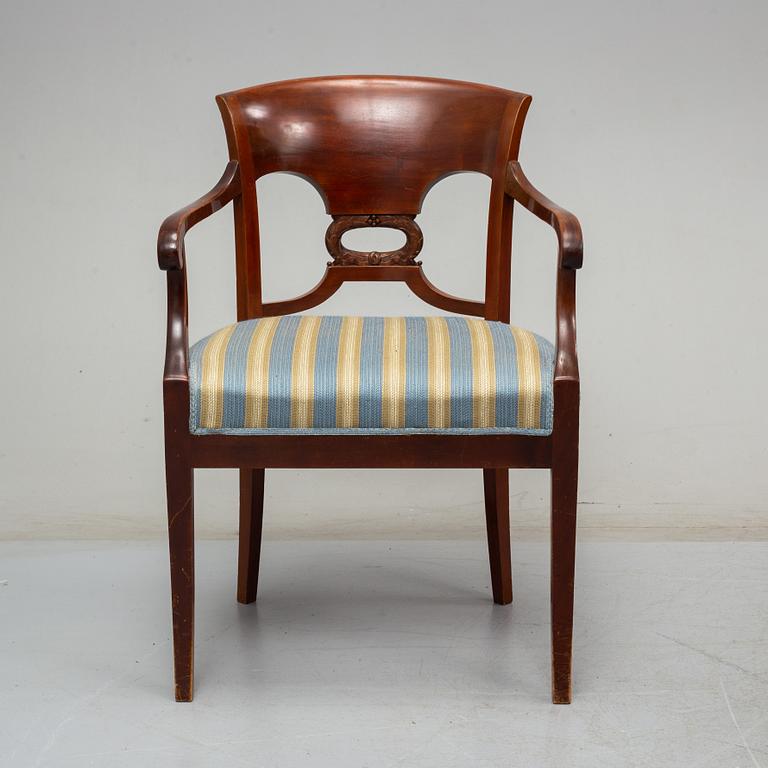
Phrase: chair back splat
[373,147]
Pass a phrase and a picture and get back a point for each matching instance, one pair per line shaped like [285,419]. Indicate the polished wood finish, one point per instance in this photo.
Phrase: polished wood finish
[564,474]
[496,489]
[419,451]
[404,256]
[181,538]
[373,147]
[413,276]
[372,144]
[565,224]
[170,241]
[251,518]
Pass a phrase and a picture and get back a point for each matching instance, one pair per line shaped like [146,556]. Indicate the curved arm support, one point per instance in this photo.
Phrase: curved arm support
[566,359]
[170,240]
[570,258]
[171,258]
[565,224]
[177,341]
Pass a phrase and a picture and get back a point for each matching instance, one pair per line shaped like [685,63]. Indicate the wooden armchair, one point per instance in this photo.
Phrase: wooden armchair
[281,390]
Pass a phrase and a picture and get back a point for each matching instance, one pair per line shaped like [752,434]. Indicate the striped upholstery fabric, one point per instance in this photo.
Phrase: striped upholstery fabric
[312,374]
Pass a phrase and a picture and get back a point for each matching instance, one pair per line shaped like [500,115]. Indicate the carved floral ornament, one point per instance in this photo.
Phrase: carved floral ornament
[343,256]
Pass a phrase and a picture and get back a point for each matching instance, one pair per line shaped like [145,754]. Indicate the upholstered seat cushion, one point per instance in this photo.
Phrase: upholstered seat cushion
[297,374]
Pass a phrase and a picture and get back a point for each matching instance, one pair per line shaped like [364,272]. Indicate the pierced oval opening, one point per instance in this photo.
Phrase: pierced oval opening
[373,239]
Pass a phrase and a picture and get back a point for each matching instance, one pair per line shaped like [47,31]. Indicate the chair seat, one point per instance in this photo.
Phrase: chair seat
[371,375]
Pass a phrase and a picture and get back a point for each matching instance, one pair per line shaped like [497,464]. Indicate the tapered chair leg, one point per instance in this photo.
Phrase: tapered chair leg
[563,556]
[251,516]
[496,486]
[179,483]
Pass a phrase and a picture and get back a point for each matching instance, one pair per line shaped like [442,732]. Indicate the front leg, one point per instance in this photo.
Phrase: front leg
[179,476]
[565,465]
[179,479]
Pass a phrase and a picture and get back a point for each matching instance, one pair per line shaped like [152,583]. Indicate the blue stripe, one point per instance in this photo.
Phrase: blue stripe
[461,372]
[505,355]
[280,361]
[235,364]
[371,364]
[547,369]
[195,380]
[416,372]
[326,365]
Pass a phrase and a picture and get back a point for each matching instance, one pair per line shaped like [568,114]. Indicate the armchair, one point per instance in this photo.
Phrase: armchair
[277,389]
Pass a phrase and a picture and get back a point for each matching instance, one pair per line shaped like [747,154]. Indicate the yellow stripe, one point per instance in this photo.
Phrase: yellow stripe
[483,374]
[439,373]
[348,373]
[529,379]
[303,371]
[393,373]
[212,379]
[257,373]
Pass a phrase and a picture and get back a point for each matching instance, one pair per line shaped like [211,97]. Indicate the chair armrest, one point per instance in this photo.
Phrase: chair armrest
[565,224]
[170,240]
[170,256]
[570,257]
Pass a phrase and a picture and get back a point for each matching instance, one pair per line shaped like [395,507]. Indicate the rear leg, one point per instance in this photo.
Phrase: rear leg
[251,517]
[496,485]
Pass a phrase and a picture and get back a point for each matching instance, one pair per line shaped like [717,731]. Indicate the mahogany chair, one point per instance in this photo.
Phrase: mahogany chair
[281,390]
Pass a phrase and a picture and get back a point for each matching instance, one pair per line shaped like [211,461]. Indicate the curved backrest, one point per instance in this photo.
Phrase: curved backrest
[373,146]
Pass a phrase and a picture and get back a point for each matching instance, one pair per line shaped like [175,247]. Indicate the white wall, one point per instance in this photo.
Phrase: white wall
[649,121]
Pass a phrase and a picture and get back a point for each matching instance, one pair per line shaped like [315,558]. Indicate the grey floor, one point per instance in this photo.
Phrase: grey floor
[375,654]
